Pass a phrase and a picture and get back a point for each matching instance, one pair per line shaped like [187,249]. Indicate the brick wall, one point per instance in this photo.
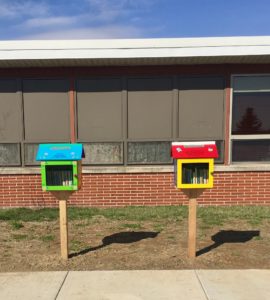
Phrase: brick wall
[105,190]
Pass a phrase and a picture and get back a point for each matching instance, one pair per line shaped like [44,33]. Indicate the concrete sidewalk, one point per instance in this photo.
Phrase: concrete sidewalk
[135,285]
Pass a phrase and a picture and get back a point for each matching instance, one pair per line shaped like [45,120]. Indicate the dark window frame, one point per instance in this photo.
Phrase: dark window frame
[245,137]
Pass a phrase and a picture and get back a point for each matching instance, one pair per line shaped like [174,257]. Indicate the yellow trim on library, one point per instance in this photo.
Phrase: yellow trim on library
[197,161]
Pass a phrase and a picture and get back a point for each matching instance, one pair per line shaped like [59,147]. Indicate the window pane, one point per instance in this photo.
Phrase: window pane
[251,113]
[103,153]
[201,108]
[99,109]
[220,148]
[46,110]
[149,152]
[255,150]
[10,111]
[30,152]
[10,155]
[251,83]
[150,106]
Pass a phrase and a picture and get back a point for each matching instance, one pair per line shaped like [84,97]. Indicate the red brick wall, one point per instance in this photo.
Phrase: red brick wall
[231,188]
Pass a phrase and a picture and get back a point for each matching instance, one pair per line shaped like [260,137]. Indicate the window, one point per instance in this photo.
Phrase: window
[103,153]
[30,153]
[250,128]
[149,153]
[201,108]
[220,149]
[150,120]
[10,154]
[46,110]
[10,122]
[99,109]
[124,120]
[201,111]
[255,150]
[10,111]
[150,107]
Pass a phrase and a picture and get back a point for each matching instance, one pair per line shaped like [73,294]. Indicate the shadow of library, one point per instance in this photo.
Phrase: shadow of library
[119,238]
[229,236]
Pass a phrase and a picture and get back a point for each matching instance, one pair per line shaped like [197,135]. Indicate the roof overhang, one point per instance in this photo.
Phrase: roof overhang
[57,53]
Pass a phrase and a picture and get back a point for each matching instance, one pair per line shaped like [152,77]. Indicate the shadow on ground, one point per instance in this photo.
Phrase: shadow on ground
[119,238]
[229,236]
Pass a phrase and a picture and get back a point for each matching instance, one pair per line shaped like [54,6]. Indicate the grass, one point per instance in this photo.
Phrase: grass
[254,215]
[19,237]
[208,215]
[28,214]
[76,245]
[16,225]
[47,238]
[126,213]
[158,227]
[132,226]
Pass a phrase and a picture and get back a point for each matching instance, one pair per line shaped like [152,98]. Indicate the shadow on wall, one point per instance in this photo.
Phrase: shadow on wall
[119,238]
[229,236]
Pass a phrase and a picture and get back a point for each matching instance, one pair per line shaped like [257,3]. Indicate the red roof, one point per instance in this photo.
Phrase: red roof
[194,150]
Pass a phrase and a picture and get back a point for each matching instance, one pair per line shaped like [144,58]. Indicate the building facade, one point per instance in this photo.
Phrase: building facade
[126,101]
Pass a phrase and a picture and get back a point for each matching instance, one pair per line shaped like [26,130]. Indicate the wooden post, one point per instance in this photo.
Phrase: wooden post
[192,195]
[63,196]
[192,224]
[63,228]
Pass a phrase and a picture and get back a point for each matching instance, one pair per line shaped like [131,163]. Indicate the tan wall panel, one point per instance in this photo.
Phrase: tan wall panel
[201,108]
[150,102]
[10,112]
[99,109]
[46,110]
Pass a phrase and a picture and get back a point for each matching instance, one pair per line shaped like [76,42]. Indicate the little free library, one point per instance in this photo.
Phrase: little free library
[126,102]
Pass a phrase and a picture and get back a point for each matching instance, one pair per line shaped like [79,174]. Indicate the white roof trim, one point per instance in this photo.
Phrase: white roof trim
[135,49]
[193,143]
[135,43]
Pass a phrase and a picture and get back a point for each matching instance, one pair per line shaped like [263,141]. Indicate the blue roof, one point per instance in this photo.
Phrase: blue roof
[60,152]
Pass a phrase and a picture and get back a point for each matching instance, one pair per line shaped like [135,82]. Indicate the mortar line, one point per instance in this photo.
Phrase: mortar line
[202,285]
[60,288]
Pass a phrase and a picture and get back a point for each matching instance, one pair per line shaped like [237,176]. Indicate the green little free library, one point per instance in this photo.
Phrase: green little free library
[61,167]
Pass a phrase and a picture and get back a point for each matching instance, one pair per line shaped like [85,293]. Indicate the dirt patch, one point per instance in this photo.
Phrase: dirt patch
[104,244]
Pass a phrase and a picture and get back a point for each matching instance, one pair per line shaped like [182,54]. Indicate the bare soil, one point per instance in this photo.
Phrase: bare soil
[104,244]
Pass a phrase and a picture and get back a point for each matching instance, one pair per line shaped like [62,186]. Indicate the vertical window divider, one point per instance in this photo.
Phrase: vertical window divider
[228,119]
[72,110]
[175,114]
[20,95]
[125,118]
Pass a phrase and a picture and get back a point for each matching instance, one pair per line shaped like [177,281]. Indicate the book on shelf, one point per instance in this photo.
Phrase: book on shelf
[195,175]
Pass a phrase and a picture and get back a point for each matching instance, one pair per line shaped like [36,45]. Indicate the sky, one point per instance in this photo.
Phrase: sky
[99,19]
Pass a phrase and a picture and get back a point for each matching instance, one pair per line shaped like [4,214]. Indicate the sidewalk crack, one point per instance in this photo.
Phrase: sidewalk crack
[202,286]
[60,288]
